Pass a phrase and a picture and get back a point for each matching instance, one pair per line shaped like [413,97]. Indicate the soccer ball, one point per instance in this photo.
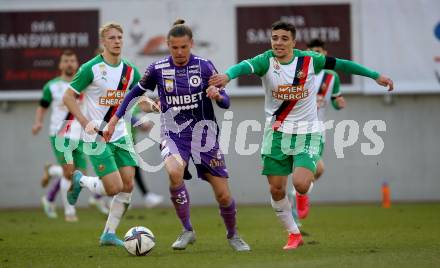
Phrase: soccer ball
[139,241]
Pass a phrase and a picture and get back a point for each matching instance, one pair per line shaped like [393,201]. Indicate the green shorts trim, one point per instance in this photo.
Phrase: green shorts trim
[109,157]
[68,151]
[281,151]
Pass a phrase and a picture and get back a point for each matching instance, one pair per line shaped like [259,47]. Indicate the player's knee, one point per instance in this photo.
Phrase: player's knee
[176,178]
[175,174]
[224,199]
[301,187]
[114,189]
[128,186]
[277,191]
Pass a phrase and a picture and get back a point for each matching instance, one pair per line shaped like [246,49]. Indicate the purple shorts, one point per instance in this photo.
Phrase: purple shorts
[212,161]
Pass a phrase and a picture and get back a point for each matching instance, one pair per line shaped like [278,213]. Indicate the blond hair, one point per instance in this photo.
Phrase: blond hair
[109,25]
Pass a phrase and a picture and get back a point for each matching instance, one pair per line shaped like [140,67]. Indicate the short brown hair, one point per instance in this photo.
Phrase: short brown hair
[282,25]
[68,52]
[110,25]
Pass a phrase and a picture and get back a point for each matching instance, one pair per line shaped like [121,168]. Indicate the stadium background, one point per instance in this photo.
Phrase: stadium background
[399,38]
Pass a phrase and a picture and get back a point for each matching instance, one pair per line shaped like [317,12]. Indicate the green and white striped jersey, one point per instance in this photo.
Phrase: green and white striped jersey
[104,86]
[53,92]
[327,84]
[290,91]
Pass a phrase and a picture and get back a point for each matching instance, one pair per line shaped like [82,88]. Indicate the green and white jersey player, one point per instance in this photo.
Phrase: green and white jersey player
[60,120]
[293,132]
[103,81]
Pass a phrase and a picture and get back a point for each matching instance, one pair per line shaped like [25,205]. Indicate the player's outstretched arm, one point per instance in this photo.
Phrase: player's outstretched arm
[221,80]
[352,67]
[385,82]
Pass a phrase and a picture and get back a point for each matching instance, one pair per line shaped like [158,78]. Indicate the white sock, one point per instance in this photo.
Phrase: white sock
[118,207]
[55,171]
[94,184]
[68,208]
[284,212]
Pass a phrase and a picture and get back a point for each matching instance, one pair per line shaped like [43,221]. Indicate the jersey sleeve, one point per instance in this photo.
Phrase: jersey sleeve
[46,98]
[82,79]
[136,77]
[211,69]
[258,65]
[318,61]
[148,80]
[225,102]
[352,67]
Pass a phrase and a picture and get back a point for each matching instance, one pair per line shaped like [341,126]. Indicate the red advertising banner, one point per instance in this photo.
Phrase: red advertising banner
[330,23]
[31,43]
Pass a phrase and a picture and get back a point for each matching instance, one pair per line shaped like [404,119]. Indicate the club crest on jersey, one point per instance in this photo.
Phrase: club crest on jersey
[276,65]
[323,86]
[102,69]
[101,167]
[169,85]
[195,81]
[124,81]
[300,75]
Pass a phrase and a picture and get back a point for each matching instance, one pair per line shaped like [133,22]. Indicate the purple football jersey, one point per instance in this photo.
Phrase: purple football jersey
[182,91]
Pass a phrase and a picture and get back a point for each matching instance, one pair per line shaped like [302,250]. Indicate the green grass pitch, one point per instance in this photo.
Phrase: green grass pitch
[406,235]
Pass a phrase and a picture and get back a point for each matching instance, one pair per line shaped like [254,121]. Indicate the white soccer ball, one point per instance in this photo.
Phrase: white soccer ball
[139,241]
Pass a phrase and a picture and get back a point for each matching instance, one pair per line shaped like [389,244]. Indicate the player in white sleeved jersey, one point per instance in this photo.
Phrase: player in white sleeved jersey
[292,137]
[103,81]
[53,92]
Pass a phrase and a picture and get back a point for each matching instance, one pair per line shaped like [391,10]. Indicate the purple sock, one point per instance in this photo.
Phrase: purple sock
[180,199]
[228,214]
[55,187]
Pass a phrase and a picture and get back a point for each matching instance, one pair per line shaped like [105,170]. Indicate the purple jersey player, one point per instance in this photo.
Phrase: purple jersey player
[188,129]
